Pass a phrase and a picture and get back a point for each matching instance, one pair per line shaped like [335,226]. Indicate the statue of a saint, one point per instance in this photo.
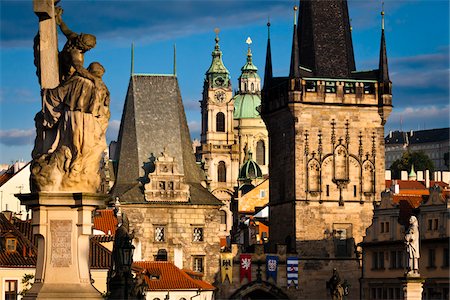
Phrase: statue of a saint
[335,286]
[412,247]
[71,126]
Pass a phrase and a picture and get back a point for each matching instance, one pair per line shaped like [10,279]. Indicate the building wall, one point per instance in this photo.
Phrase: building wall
[100,278]
[13,274]
[384,255]
[19,183]
[179,222]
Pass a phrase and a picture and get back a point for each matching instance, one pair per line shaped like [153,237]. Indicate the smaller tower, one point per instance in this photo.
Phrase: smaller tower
[250,130]
[218,150]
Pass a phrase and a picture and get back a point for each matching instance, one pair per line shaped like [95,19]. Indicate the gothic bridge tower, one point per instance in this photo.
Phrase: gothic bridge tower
[326,139]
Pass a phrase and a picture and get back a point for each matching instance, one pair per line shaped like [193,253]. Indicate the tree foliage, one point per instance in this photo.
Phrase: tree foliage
[419,159]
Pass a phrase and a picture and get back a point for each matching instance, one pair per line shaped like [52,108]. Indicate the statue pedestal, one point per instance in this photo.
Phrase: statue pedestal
[412,287]
[62,225]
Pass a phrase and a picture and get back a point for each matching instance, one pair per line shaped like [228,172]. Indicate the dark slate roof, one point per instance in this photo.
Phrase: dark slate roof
[325,39]
[417,137]
[99,256]
[154,119]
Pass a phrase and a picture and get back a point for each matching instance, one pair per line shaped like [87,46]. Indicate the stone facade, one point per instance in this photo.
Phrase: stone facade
[384,255]
[179,222]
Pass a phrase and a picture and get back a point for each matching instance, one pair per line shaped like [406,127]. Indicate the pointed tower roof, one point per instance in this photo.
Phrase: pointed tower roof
[154,122]
[268,69]
[295,54]
[383,64]
[217,66]
[249,67]
[325,40]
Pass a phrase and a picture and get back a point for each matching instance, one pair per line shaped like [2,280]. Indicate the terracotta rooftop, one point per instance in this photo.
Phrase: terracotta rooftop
[106,221]
[25,254]
[414,184]
[163,275]
[413,200]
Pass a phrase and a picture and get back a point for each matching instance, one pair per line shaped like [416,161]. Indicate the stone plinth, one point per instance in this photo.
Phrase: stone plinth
[412,287]
[62,225]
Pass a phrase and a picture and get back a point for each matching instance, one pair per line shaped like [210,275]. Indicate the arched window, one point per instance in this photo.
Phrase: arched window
[260,153]
[221,172]
[223,217]
[252,86]
[220,122]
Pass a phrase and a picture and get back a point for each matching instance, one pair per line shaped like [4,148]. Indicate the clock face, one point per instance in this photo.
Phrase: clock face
[220,96]
[219,81]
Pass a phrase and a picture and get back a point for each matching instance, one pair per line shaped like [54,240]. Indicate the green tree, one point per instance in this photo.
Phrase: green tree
[419,159]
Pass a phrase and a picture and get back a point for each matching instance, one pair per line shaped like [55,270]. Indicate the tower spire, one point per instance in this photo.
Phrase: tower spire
[132,58]
[174,60]
[383,63]
[268,69]
[295,55]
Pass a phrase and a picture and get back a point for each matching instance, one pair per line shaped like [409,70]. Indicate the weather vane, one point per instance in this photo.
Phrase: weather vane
[249,41]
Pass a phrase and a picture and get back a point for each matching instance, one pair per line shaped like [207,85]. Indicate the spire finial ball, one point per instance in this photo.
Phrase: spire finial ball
[295,8]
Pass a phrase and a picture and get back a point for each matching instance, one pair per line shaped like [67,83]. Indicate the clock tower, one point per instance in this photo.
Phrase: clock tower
[218,151]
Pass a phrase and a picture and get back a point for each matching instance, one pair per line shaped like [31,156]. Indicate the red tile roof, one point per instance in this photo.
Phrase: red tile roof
[106,221]
[25,254]
[414,184]
[413,200]
[99,256]
[163,275]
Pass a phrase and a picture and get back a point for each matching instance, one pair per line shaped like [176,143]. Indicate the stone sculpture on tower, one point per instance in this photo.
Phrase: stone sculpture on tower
[70,140]
[412,247]
[71,126]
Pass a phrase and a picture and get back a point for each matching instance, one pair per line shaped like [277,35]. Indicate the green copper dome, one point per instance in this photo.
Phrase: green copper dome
[250,170]
[246,105]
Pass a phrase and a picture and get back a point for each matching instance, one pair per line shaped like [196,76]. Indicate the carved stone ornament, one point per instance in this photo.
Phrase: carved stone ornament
[166,183]
[72,123]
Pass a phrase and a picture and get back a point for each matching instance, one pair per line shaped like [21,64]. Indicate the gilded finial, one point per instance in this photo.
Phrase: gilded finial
[351,27]
[217,30]
[382,15]
[295,15]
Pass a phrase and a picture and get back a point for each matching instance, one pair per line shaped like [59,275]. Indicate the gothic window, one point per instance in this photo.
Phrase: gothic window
[314,175]
[330,87]
[260,152]
[341,163]
[161,255]
[160,234]
[368,180]
[223,217]
[198,264]
[197,235]
[221,172]
[220,122]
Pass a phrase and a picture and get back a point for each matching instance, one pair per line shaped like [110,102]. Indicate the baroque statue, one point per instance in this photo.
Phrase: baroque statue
[412,247]
[338,288]
[71,126]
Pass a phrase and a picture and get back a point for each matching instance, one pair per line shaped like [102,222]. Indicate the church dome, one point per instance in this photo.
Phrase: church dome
[246,106]
[250,170]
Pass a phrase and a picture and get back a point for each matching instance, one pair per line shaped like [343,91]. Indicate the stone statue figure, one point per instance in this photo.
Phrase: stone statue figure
[72,124]
[338,288]
[412,247]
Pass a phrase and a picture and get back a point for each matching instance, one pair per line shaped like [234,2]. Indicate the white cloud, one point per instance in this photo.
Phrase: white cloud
[14,137]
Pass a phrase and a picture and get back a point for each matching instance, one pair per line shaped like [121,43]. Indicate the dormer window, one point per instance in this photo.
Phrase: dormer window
[11,244]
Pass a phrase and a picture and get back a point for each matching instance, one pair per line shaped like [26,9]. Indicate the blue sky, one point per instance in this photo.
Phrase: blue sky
[417,34]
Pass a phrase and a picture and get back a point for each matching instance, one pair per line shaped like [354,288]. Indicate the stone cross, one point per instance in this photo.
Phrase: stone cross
[47,56]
